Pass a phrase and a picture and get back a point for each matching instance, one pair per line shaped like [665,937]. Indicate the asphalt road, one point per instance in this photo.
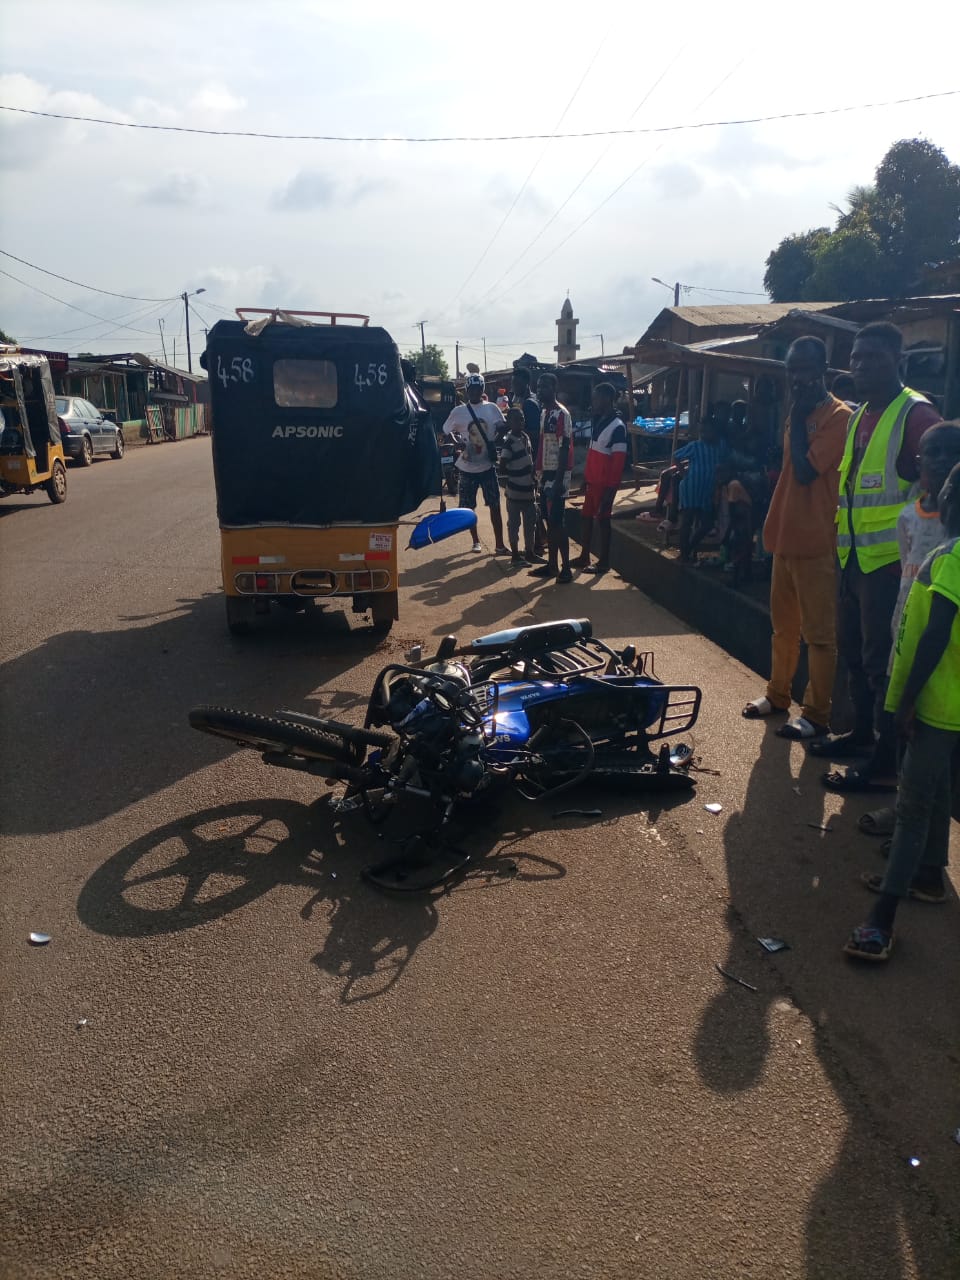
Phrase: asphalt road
[235,1059]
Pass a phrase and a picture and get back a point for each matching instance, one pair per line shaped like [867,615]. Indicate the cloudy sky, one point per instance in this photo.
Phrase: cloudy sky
[480,239]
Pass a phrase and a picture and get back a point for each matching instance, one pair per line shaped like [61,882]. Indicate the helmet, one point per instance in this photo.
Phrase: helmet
[473,380]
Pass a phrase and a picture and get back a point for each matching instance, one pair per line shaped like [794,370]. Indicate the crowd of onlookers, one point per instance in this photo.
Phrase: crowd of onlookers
[863,528]
[531,450]
[860,517]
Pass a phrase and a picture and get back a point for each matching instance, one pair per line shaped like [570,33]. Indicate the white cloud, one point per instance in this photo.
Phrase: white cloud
[309,189]
[216,98]
[178,189]
[393,229]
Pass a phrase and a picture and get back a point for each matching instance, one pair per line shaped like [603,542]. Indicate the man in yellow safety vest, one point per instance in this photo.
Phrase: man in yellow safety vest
[877,472]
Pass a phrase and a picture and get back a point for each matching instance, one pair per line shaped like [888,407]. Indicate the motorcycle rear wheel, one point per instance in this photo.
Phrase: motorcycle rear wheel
[269,733]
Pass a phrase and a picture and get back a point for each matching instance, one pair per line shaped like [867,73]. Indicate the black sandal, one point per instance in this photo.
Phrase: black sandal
[839,746]
[850,781]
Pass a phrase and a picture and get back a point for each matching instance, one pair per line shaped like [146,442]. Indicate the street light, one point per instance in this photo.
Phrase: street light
[600,336]
[675,288]
[186,312]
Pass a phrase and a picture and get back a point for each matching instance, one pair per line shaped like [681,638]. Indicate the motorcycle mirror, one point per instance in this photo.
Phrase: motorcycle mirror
[628,655]
[447,648]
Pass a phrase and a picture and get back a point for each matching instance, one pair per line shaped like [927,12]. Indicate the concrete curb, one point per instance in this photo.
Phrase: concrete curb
[733,621]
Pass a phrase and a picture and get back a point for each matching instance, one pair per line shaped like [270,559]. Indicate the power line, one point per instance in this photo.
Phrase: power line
[63,333]
[741,293]
[72,306]
[629,178]
[92,287]
[167,307]
[556,213]
[497,137]
[526,182]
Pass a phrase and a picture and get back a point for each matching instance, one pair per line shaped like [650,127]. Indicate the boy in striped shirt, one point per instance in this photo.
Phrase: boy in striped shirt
[516,463]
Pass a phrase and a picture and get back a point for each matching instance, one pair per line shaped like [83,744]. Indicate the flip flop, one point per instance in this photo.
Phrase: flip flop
[649,517]
[867,942]
[874,882]
[801,730]
[878,822]
[760,708]
[839,747]
[849,781]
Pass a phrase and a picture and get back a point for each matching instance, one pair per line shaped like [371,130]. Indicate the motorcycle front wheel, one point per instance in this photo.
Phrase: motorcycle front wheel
[271,733]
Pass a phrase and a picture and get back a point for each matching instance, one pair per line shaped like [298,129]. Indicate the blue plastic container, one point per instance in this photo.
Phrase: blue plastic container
[443,524]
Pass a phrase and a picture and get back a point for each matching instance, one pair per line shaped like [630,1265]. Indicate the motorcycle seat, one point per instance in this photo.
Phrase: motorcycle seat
[524,642]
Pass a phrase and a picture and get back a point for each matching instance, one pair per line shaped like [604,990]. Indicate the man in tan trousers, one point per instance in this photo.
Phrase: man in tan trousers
[800,533]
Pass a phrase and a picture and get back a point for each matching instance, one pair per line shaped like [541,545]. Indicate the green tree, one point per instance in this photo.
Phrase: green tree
[918,214]
[888,231]
[431,361]
[5,337]
[849,264]
[860,211]
[792,263]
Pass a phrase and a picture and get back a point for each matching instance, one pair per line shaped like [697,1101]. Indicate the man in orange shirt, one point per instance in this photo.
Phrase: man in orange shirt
[800,534]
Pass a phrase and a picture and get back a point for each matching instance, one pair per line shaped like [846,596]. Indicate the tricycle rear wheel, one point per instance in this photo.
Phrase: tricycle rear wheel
[240,613]
[56,486]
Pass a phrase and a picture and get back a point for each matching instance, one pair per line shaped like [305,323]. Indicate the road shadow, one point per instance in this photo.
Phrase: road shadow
[96,720]
[886,1039]
[197,869]
[471,569]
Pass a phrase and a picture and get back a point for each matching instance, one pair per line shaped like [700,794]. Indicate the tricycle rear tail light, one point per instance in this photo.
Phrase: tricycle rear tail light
[244,582]
[64,426]
[265,581]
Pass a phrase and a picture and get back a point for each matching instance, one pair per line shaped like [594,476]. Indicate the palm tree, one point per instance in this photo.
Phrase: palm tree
[861,209]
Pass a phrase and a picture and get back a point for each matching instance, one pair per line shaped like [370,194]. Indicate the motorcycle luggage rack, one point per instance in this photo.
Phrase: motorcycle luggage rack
[579,659]
[681,708]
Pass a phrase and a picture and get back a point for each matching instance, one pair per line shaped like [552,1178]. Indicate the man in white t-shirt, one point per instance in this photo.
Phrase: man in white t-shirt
[475,426]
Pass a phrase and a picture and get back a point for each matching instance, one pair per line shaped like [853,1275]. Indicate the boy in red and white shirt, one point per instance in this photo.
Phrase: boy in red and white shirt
[606,458]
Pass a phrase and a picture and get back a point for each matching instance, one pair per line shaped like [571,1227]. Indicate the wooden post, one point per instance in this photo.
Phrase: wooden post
[951,383]
[676,419]
[704,393]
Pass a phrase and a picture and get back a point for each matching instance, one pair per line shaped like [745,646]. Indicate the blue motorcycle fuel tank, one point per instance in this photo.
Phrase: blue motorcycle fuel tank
[509,727]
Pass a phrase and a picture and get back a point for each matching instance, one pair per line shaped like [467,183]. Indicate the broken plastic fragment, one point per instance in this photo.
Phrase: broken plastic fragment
[774,944]
[733,978]
[81,1023]
[39,939]
[713,808]
[914,1162]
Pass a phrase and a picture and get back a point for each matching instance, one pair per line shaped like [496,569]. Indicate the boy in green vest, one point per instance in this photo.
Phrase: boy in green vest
[924,696]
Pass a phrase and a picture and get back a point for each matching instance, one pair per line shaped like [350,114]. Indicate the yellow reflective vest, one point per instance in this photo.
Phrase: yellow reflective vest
[872,499]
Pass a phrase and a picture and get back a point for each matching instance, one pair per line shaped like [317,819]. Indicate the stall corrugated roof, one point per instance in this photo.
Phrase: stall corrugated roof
[722,315]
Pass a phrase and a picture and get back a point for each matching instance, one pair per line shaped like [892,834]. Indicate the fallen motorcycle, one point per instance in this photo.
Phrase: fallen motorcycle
[541,709]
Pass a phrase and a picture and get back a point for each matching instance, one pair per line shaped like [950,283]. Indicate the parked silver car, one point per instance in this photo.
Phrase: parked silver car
[86,432]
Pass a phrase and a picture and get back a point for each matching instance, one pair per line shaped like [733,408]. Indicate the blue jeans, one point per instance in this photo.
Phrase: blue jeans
[922,832]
